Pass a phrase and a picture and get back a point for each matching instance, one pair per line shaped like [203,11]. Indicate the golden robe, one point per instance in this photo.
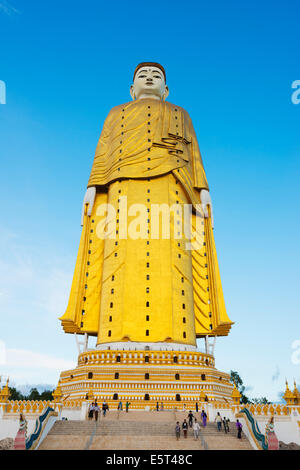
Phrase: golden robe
[150,290]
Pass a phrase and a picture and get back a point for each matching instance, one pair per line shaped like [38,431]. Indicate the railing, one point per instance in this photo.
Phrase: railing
[27,406]
[259,437]
[269,409]
[41,421]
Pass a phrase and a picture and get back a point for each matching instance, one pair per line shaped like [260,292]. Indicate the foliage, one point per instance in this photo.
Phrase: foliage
[235,378]
[261,401]
[33,395]
[14,394]
[47,395]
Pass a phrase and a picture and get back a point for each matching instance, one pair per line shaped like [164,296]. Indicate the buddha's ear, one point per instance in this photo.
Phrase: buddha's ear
[166,93]
[132,94]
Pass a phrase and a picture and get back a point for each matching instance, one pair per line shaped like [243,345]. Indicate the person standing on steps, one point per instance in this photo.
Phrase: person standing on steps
[157,406]
[177,431]
[239,427]
[185,428]
[91,411]
[204,418]
[104,408]
[120,406]
[96,411]
[218,420]
[196,429]
[161,406]
[196,407]
[225,425]
[190,416]
[127,406]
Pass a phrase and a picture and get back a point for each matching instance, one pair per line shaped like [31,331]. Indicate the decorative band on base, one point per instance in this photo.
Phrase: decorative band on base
[143,346]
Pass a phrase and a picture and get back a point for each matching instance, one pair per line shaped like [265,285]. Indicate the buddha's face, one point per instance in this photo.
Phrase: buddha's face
[149,82]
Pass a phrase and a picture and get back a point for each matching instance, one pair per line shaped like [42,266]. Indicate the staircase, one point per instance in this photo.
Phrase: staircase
[136,430]
[218,440]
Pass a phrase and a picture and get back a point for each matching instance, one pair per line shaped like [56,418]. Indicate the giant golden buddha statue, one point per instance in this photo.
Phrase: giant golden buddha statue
[137,283]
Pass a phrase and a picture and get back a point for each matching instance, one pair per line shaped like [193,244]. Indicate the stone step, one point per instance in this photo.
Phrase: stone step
[139,434]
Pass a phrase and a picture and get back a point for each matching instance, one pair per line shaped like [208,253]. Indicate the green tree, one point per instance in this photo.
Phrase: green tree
[15,394]
[261,401]
[47,395]
[235,378]
[34,394]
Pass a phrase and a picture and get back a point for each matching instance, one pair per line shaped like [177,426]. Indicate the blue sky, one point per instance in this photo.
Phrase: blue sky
[231,65]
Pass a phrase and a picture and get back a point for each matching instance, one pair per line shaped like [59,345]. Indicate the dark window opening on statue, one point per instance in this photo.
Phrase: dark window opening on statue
[147,376]
[115,397]
[177,377]
[90,375]
[116,375]
[147,304]
[147,396]
[118,358]
[109,333]
[146,358]
[203,377]
[184,334]
[178,397]
[175,359]
[147,332]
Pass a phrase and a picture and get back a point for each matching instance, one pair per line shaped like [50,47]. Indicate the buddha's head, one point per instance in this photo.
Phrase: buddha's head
[149,81]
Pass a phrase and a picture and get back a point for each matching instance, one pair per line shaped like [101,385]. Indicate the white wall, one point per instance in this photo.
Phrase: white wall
[71,414]
[286,428]
[10,427]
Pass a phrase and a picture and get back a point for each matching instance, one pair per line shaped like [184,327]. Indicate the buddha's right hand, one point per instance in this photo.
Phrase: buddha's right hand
[89,200]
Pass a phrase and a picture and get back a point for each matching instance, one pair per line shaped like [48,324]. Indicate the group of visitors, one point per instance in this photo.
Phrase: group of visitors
[94,410]
[225,422]
[120,406]
[159,408]
[192,423]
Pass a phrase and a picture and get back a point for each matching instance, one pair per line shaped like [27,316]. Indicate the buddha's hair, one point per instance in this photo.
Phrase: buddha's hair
[149,64]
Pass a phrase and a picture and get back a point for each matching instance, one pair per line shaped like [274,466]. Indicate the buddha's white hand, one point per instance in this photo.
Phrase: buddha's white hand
[206,201]
[89,199]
